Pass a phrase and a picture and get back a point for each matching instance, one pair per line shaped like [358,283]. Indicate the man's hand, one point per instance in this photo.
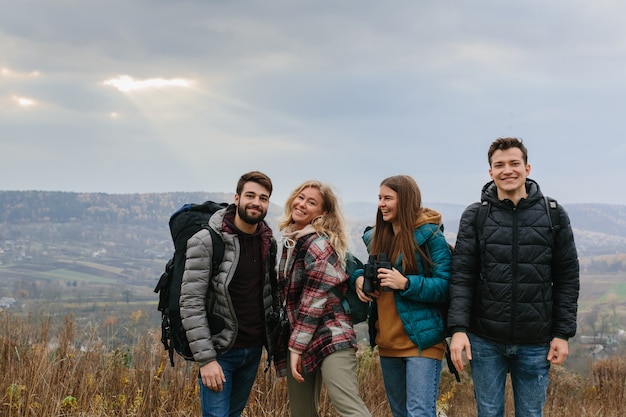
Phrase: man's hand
[212,376]
[459,343]
[559,349]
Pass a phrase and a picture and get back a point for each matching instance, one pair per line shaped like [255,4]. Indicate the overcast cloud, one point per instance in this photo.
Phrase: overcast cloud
[137,96]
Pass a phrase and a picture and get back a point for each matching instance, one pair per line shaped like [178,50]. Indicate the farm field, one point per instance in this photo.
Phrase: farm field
[603,293]
[117,299]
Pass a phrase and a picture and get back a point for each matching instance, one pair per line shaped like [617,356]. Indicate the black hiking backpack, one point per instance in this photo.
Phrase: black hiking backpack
[352,305]
[184,223]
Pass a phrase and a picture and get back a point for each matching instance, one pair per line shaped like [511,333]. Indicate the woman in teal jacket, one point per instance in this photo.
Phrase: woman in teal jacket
[405,322]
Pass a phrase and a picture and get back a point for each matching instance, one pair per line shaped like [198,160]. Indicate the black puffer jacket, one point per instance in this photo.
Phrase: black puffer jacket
[528,289]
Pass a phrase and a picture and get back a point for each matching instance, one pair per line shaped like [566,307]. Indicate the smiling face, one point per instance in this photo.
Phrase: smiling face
[388,204]
[252,205]
[307,205]
[509,172]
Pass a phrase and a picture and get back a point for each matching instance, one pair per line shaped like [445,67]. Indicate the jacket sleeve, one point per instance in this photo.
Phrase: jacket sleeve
[432,289]
[465,271]
[193,291]
[565,280]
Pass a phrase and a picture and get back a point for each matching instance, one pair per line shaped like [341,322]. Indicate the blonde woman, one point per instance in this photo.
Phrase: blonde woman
[321,346]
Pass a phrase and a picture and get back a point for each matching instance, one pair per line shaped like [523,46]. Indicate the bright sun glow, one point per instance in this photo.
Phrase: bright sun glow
[126,83]
[8,73]
[23,101]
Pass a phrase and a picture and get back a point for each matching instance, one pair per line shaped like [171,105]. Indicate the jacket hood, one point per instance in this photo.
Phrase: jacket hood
[290,234]
[428,216]
[490,193]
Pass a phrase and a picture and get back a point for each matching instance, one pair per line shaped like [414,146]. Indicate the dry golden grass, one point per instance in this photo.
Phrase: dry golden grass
[50,368]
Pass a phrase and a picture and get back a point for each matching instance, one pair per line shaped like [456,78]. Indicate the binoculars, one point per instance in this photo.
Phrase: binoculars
[371,282]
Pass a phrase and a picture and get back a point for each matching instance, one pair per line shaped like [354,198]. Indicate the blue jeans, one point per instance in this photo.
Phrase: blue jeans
[529,369]
[240,368]
[412,385]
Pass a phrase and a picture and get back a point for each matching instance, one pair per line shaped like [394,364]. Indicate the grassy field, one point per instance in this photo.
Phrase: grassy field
[50,367]
[82,340]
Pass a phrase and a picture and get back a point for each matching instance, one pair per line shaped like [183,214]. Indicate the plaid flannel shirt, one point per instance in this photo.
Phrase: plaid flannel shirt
[319,324]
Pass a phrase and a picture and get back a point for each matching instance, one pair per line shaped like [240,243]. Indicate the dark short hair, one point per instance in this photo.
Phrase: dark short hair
[502,144]
[255,176]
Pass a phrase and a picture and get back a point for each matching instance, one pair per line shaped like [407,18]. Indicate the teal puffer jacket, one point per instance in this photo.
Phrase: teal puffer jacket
[417,306]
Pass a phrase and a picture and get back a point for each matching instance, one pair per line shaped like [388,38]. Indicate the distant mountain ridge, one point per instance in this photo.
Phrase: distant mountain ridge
[62,207]
[599,228]
[596,217]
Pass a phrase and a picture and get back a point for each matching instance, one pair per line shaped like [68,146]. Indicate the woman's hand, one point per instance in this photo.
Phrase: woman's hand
[295,362]
[392,278]
[358,284]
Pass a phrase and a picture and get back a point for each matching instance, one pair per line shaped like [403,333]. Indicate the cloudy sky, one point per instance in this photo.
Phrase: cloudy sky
[137,96]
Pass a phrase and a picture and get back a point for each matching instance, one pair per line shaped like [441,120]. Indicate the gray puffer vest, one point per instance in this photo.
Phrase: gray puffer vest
[206,308]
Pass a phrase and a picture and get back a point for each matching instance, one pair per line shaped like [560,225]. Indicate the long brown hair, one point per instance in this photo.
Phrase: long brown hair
[408,209]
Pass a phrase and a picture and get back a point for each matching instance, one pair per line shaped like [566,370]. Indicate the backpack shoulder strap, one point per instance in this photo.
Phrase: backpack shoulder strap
[427,269]
[481,216]
[218,250]
[553,214]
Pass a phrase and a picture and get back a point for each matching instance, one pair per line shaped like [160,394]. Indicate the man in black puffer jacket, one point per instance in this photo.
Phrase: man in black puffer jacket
[514,287]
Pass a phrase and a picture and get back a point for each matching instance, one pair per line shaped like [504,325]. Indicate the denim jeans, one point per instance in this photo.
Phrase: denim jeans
[412,385]
[529,369]
[240,368]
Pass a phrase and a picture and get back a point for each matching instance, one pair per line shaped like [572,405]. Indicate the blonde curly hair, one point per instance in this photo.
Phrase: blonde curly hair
[332,224]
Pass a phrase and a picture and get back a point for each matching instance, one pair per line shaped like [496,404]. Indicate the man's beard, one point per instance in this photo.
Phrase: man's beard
[243,215]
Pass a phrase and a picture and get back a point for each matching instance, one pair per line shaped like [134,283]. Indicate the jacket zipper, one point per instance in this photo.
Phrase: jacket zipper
[514,273]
